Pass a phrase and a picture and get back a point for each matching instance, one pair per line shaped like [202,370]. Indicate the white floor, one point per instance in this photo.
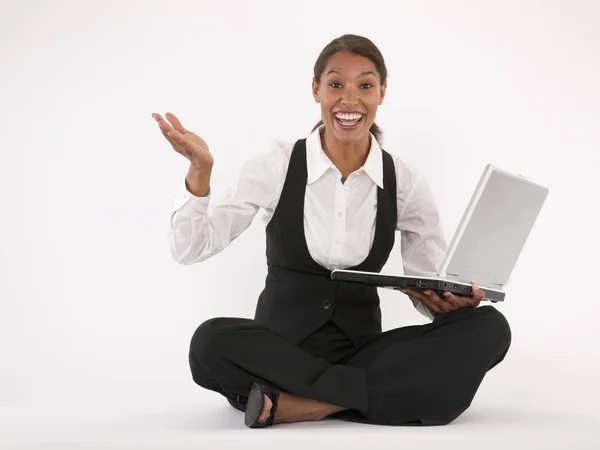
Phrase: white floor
[511,411]
[220,427]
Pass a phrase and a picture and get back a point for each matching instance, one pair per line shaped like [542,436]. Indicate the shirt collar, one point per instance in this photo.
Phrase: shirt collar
[318,163]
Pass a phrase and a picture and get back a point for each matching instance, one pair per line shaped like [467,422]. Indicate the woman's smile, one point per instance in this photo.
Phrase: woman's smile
[348,120]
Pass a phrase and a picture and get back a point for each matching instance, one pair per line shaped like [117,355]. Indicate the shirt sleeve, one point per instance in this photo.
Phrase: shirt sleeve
[201,227]
[423,243]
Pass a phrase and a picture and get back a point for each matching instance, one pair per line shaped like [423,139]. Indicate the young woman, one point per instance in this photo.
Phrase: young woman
[335,199]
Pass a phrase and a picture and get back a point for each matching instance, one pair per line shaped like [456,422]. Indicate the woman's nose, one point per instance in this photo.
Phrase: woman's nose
[349,98]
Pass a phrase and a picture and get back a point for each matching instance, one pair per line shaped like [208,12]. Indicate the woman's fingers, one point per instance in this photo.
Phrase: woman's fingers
[175,122]
[478,294]
[431,305]
[458,302]
[173,138]
[451,300]
[430,299]
[467,302]
[163,125]
[180,142]
[443,304]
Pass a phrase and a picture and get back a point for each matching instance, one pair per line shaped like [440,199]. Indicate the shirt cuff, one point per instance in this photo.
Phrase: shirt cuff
[421,308]
[187,203]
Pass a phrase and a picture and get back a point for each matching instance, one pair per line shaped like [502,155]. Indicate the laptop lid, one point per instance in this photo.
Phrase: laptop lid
[493,229]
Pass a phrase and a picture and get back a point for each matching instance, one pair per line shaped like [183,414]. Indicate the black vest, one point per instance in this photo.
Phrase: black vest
[299,296]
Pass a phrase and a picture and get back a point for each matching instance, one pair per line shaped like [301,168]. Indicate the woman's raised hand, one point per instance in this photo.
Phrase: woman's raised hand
[185,142]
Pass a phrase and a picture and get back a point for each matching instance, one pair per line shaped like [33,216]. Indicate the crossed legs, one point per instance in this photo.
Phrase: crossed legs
[415,375]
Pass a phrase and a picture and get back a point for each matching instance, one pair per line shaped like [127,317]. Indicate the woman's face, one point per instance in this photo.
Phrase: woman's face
[349,93]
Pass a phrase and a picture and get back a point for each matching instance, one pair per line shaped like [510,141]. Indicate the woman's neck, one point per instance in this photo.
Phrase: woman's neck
[346,156]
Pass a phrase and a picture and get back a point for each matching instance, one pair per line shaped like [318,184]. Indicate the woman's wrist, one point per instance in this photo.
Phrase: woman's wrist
[198,182]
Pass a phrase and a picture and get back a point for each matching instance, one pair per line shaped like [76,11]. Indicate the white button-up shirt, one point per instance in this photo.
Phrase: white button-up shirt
[339,218]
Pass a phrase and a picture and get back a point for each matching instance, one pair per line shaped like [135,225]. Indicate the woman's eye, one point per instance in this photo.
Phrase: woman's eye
[363,86]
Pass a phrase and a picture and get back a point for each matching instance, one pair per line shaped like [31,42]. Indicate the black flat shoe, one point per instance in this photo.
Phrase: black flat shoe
[256,404]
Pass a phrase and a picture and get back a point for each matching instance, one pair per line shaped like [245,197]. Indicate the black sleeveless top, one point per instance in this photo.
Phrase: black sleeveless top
[299,296]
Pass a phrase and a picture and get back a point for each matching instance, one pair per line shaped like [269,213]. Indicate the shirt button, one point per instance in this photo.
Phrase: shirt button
[326,305]
[340,214]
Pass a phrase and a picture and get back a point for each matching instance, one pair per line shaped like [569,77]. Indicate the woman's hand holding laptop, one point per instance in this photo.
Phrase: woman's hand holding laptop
[449,302]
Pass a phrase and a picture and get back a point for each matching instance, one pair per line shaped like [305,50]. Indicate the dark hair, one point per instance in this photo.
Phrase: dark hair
[356,45]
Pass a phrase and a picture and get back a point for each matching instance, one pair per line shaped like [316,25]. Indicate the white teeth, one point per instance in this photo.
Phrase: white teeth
[345,116]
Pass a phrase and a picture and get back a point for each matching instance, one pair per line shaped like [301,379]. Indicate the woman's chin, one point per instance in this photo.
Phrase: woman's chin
[345,135]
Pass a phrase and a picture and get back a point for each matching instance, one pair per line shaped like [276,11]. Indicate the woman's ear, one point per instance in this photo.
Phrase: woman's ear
[382,92]
[315,90]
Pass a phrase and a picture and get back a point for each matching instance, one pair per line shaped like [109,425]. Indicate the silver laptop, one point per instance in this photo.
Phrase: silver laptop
[486,244]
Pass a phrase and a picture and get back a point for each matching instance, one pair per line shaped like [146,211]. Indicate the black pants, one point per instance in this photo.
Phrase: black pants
[415,375]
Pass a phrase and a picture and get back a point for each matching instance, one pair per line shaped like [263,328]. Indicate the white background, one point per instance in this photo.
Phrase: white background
[95,317]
